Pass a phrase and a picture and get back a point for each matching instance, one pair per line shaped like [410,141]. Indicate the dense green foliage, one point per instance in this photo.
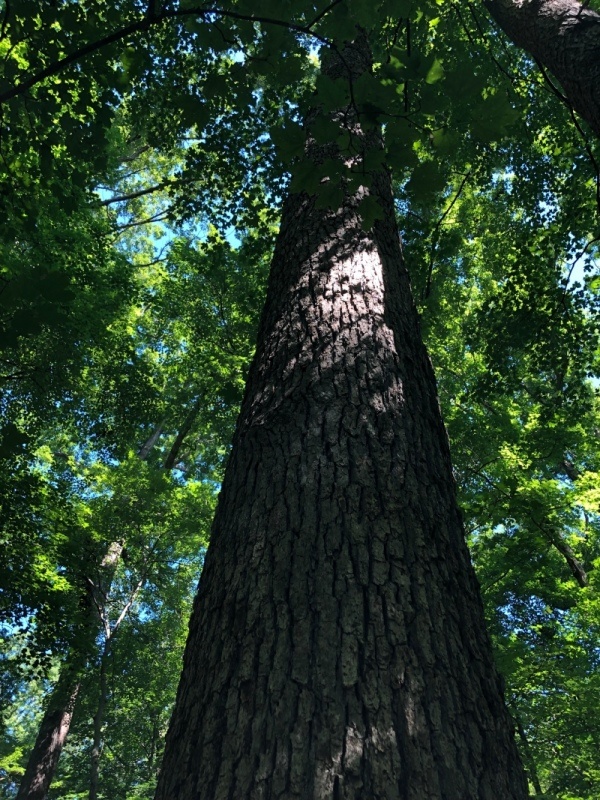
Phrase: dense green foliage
[145,150]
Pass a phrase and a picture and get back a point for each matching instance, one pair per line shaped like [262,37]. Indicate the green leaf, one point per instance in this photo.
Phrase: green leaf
[492,117]
[370,210]
[427,179]
[362,12]
[324,129]
[339,25]
[332,94]
[207,35]
[329,196]
[435,73]
[446,142]
[373,160]
[194,112]
[305,177]
[398,9]
[215,86]
[400,139]
[290,140]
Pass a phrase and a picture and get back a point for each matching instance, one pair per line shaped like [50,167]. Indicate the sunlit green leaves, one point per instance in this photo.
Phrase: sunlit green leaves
[520,415]
[140,188]
[435,72]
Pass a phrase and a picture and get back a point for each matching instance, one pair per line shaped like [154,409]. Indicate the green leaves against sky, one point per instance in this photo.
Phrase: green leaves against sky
[144,157]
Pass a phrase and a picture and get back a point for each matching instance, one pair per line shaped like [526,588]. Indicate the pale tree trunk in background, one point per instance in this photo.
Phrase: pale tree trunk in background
[564,36]
[146,448]
[110,631]
[55,724]
[50,740]
[337,647]
[115,552]
[114,555]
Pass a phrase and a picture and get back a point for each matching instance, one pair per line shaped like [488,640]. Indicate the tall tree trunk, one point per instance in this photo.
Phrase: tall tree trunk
[148,445]
[50,739]
[564,36]
[153,747]
[98,724]
[337,647]
[527,754]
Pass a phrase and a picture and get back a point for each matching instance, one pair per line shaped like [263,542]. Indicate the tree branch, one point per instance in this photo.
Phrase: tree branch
[436,230]
[555,540]
[142,25]
[92,591]
[171,459]
[324,13]
[146,448]
[123,198]
[82,52]
[128,605]
[160,216]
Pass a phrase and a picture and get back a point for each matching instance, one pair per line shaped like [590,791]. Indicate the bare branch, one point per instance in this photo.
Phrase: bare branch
[128,605]
[123,198]
[436,230]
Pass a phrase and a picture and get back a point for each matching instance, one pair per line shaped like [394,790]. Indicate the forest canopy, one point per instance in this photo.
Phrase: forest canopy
[146,149]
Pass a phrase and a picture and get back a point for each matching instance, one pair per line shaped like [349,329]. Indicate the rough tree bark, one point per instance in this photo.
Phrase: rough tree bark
[337,647]
[50,739]
[564,36]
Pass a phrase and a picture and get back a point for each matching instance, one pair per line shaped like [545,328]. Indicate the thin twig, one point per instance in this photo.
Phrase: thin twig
[553,87]
[513,79]
[160,216]
[323,13]
[556,91]
[576,259]
[435,232]
[591,156]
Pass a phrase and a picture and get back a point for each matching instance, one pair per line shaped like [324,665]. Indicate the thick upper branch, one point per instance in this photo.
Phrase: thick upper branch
[564,37]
